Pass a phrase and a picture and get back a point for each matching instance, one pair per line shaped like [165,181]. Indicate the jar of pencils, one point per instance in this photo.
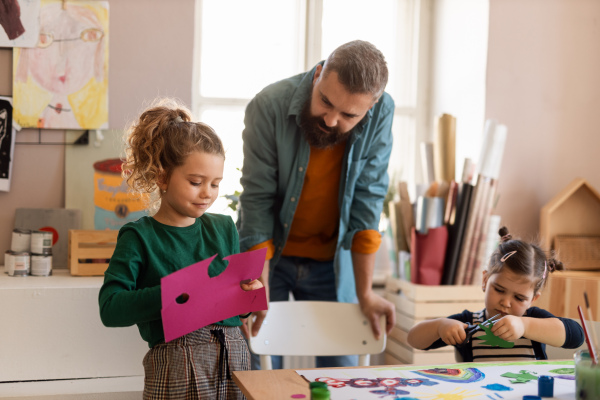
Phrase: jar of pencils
[587,377]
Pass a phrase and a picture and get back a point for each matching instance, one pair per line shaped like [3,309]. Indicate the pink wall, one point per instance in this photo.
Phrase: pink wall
[543,83]
[151,54]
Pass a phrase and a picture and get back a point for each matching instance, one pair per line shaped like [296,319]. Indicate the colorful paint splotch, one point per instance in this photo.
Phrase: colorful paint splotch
[375,382]
[497,387]
[466,375]
[563,371]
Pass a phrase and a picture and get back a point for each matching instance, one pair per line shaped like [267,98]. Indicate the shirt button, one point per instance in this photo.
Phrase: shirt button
[300,169]
[285,225]
[293,199]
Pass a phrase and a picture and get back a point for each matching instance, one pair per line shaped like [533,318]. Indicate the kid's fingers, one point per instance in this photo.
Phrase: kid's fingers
[248,285]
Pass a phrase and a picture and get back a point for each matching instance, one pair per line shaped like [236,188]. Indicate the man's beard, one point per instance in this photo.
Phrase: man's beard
[314,135]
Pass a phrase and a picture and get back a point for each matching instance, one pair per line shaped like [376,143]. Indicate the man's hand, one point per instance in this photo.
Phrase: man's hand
[373,307]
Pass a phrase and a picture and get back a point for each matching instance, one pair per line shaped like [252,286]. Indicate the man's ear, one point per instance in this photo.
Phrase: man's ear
[317,73]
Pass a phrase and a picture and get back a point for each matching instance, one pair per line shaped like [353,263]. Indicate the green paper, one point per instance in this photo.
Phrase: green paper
[522,377]
[492,340]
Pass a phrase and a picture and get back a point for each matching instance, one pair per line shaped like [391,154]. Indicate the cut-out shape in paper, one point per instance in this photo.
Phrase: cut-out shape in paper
[522,377]
[191,299]
[492,340]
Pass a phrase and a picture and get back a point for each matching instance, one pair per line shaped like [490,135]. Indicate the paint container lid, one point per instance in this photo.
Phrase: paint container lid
[318,384]
[532,398]
[546,386]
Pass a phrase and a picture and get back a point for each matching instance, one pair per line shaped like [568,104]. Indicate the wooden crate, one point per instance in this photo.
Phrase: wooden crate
[416,303]
[564,292]
[90,250]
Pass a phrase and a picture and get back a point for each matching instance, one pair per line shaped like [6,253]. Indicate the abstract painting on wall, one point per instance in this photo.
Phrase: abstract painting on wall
[62,83]
[20,20]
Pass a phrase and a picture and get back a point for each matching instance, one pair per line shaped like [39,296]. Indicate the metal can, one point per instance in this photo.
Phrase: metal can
[41,264]
[21,240]
[41,242]
[17,263]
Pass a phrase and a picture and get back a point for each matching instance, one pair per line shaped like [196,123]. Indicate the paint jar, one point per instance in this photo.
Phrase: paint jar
[115,205]
[41,242]
[21,240]
[16,263]
[587,377]
[41,264]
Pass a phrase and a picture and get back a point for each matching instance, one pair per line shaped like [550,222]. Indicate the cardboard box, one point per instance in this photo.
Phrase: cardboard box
[90,251]
[416,303]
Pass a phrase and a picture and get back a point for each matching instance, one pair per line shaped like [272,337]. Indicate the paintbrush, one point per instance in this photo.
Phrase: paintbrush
[590,344]
[590,320]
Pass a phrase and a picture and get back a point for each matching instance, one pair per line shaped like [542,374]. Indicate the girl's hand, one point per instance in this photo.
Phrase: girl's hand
[452,332]
[509,328]
[251,285]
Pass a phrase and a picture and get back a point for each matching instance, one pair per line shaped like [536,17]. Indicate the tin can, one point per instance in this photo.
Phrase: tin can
[41,264]
[41,242]
[115,204]
[16,263]
[21,240]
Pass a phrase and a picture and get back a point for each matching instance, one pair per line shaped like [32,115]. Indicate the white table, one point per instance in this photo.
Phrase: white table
[50,328]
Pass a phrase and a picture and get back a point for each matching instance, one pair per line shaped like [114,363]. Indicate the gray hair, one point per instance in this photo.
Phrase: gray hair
[360,66]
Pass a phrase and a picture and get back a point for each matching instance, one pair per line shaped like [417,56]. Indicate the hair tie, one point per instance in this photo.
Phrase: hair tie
[545,270]
[506,237]
[507,255]
[178,119]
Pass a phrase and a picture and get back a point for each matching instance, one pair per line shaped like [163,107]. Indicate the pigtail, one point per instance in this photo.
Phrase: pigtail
[554,265]
[504,235]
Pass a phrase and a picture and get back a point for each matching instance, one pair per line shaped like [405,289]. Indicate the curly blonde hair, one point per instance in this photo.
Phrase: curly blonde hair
[159,141]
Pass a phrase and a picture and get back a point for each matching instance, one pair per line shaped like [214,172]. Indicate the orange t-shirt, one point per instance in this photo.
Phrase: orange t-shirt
[314,230]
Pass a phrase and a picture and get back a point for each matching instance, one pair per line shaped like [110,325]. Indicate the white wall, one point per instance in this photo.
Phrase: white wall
[459,58]
[150,54]
[543,82]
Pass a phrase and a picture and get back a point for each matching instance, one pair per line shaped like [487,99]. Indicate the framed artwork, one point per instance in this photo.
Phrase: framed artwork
[62,83]
[7,142]
[20,20]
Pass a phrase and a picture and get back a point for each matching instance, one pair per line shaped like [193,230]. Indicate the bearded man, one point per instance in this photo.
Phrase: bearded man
[314,177]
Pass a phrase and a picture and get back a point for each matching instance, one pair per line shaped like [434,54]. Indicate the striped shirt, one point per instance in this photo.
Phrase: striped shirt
[524,349]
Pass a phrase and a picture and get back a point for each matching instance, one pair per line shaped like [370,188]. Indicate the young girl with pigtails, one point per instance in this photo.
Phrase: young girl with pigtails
[516,274]
[181,163]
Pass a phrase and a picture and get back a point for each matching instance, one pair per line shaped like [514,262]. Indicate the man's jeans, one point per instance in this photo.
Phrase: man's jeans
[306,279]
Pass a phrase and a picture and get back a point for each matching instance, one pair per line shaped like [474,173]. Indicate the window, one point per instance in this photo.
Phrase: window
[244,46]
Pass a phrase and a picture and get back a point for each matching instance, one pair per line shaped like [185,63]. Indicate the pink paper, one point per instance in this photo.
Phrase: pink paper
[211,299]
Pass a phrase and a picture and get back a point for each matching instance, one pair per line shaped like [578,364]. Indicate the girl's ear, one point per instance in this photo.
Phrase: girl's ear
[536,296]
[162,181]
[484,280]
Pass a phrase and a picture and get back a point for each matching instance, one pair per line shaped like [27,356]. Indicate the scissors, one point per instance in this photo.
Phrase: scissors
[472,328]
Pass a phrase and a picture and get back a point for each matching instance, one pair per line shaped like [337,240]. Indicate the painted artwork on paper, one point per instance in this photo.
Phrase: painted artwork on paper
[62,83]
[20,20]
[7,142]
[444,382]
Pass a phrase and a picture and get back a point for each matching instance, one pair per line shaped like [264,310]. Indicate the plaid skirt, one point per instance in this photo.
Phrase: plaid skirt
[197,365]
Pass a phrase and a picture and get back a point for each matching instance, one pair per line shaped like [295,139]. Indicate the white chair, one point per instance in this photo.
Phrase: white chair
[315,328]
